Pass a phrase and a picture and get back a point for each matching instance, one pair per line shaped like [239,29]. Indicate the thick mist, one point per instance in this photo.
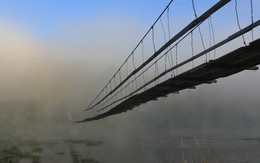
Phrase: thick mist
[41,81]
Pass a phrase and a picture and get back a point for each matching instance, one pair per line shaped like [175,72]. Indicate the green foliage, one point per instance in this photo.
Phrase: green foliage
[13,155]
[36,158]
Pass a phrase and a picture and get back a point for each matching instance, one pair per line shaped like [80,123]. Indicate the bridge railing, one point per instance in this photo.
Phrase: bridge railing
[177,53]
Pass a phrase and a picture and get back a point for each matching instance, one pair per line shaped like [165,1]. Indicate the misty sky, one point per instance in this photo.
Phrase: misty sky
[58,54]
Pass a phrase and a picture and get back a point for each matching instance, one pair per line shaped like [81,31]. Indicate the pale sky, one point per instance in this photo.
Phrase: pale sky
[44,18]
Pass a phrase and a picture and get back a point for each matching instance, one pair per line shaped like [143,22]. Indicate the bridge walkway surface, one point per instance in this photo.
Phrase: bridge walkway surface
[243,58]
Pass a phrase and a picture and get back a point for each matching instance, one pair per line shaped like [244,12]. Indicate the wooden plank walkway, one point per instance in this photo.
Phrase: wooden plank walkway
[244,58]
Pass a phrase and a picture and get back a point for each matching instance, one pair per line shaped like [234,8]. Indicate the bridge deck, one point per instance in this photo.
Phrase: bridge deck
[236,61]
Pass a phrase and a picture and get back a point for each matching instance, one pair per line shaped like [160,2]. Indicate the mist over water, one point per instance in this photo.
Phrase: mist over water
[42,81]
[221,114]
[229,108]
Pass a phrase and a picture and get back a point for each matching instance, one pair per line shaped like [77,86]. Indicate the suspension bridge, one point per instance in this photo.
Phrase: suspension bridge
[149,73]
